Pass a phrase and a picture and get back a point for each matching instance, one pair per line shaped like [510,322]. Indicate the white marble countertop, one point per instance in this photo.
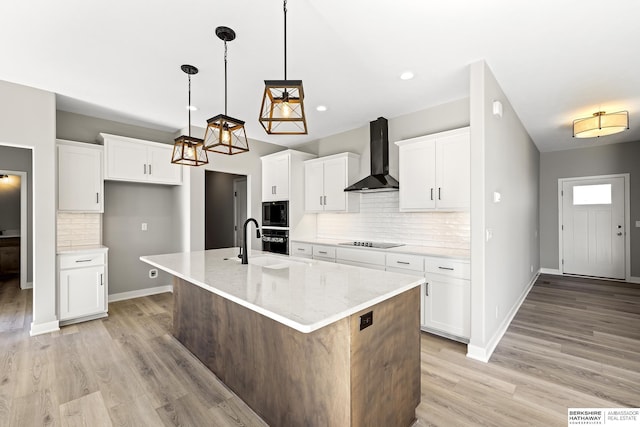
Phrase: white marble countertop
[301,293]
[462,254]
[78,249]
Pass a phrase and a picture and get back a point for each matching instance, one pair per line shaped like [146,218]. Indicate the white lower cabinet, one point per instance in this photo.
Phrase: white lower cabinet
[301,250]
[447,298]
[82,286]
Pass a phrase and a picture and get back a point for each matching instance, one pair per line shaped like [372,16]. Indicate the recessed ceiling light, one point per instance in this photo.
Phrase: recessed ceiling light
[321,108]
[407,75]
[191,107]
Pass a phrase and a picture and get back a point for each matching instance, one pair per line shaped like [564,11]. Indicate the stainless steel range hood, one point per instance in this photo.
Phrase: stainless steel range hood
[379,180]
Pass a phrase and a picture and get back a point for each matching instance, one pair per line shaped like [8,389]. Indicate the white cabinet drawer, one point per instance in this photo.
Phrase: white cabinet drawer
[324,252]
[81,260]
[448,267]
[301,249]
[362,264]
[359,255]
[407,262]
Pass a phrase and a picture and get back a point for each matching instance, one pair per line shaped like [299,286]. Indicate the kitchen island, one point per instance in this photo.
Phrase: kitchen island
[302,342]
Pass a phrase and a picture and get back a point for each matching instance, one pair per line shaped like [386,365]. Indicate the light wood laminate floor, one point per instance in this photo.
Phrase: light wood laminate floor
[574,343]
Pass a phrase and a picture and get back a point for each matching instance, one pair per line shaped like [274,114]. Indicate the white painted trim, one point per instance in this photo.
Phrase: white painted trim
[483,354]
[24,234]
[140,293]
[553,271]
[28,285]
[633,279]
[44,328]
[627,217]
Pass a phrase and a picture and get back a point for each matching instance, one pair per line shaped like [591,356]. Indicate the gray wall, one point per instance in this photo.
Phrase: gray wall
[19,159]
[218,210]
[505,160]
[10,204]
[128,205]
[597,160]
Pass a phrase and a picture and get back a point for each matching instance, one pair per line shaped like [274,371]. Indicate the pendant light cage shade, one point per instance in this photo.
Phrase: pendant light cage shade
[282,110]
[601,124]
[225,135]
[189,151]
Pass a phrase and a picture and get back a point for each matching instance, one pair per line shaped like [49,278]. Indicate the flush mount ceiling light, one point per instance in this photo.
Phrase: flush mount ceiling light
[282,110]
[601,124]
[188,150]
[224,134]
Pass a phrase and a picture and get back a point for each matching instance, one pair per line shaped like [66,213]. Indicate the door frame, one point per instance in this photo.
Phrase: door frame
[627,220]
[235,206]
[24,238]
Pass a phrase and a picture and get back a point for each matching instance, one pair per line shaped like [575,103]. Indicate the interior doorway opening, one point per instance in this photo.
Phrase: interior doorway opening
[225,209]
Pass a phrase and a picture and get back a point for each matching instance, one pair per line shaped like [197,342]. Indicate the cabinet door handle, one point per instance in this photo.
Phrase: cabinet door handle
[145,168]
[325,200]
[426,289]
[403,262]
[322,252]
[320,200]
[149,169]
[84,260]
[101,279]
[431,193]
[301,249]
[97,197]
[439,198]
[446,268]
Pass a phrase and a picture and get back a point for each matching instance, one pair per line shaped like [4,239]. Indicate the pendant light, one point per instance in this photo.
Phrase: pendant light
[282,111]
[188,150]
[225,134]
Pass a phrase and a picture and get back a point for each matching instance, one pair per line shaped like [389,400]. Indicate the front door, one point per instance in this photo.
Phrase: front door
[593,235]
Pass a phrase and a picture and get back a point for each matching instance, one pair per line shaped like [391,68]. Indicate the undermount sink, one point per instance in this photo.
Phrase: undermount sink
[274,263]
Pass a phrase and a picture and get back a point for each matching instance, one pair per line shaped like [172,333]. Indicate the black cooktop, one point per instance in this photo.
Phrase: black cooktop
[378,245]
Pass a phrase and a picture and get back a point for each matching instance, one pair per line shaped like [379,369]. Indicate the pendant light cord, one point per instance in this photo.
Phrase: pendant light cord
[285,39]
[225,77]
[189,105]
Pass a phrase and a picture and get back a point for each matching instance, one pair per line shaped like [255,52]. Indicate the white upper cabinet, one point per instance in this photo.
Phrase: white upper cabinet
[325,181]
[80,181]
[129,159]
[435,171]
[275,177]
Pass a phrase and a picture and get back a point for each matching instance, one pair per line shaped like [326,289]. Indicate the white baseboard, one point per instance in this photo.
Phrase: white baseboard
[140,293]
[553,271]
[483,354]
[44,328]
[633,280]
[28,285]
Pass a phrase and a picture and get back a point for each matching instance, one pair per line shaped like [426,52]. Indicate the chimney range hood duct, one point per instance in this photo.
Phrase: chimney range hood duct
[379,180]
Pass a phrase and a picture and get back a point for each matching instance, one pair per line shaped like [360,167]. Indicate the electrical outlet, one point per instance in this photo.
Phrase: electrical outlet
[366,320]
[489,234]
[153,273]
[144,227]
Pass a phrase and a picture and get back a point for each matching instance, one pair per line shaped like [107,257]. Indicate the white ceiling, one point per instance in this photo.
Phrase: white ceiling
[120,59]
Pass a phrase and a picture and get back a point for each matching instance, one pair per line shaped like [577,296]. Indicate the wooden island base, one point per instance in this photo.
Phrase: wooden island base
[337,376]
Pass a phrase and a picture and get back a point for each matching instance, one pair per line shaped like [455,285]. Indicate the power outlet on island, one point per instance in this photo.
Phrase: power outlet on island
[366,320]
[153,273]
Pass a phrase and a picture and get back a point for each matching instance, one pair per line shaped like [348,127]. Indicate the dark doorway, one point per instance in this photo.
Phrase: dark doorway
[225,208]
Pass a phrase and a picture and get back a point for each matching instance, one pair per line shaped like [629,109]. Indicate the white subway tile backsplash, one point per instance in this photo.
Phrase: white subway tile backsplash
[77,229]
[380,220]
